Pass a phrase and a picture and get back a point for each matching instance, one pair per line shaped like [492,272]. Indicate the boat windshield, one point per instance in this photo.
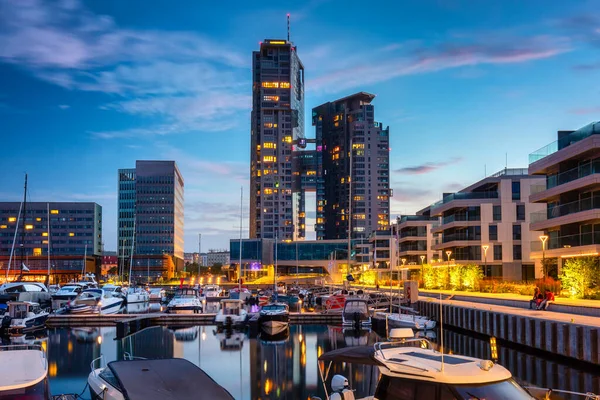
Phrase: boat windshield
[503,390]
[19,311]
[39,391]
[274,307]
[356,306]
[185,293]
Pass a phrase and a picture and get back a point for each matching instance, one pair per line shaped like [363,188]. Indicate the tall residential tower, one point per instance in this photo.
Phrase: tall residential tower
[277,125]
[151,202]
[347,135]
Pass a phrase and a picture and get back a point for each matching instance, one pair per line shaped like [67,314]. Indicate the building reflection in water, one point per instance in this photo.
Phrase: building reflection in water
[281,367]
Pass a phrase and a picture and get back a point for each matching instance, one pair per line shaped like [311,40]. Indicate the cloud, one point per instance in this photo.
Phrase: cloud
[585,110]
[427,167]
[587,67]
[64,106]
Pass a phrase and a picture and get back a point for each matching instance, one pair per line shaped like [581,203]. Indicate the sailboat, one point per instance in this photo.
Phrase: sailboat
[135,295]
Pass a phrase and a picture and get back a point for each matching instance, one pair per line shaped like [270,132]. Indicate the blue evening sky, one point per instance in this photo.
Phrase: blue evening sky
[87,87]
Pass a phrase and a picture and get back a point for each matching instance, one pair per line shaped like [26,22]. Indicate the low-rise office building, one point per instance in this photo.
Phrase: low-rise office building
[569,193]
[416,238]
[487,223]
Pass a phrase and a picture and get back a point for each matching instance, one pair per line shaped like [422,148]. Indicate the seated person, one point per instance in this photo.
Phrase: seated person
[341,391]
[533,302]
[548,298]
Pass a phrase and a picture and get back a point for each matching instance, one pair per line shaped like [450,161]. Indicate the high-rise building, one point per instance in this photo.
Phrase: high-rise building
[277,124]
[151,202]
[347,135]
[569,194]
[74,231]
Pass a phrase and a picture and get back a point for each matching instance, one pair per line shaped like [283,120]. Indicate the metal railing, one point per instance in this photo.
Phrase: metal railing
[567,140]
[586,169]
[567,241]
[460,236]
[560,210]
[547,393]
[466,196]
[510,172]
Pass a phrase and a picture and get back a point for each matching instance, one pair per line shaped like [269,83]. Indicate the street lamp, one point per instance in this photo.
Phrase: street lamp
[543,238]
[422,264]
[448,252]
[485,248]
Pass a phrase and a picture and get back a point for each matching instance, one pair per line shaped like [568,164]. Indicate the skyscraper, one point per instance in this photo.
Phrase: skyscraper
[151,202]
[277,125]
[347,135]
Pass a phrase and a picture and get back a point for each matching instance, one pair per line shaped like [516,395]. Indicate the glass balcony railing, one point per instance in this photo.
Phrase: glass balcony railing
[466,196]
[567,241]
[566,209]
[460,218]
[567,140]
[537,188]
[460,236]
[408,218]
[585,169]
[414,247]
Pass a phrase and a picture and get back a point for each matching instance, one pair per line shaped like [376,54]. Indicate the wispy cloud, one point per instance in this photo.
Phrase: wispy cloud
[587,67]
[64,106]
[427,167]
[585,110]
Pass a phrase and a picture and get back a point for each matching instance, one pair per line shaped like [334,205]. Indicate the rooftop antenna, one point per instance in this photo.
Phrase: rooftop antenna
[288,27]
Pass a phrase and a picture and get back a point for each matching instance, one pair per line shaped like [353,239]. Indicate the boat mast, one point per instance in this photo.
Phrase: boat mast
[48,230]
[23,226]
[12,250]
[131,255]
[84,260]
[350,209]
[275,269]
[241,222]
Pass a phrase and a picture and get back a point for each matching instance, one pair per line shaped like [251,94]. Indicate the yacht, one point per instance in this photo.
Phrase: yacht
[414,321]
[185,301]
[232,312]
[26,316]
[23,372]
[170,378]
[356,314]
[240,294]
[137,295]
[274,318]
[95,301]
[114,290]
[410,368]
[88,281]
[66,294]
[25,291]
[211,292]
[158,294]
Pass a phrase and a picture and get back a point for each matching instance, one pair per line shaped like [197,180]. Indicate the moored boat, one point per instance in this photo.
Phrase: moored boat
[185,301]
[65,294]
[23,372]
[232,312]
[274,318]
[356,313]
[94,301]
[414,321]
[26,316]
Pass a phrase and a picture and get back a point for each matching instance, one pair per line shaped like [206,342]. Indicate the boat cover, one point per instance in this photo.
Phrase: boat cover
[172,378]
[356,355]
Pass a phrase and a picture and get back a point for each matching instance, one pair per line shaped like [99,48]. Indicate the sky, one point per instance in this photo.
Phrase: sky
[467,87]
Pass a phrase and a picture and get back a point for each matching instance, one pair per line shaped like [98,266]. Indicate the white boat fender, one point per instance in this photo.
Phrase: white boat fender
[341,391]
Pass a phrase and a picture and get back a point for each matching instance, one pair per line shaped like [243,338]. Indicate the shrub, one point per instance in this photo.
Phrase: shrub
[548,284]
[578,275]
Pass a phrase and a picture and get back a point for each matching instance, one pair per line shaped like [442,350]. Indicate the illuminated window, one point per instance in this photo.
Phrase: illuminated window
[342,180]
[3,227]
[359,216]
[270,98]
[38,219]
[269,159]
[336,118]
[319,220]
[358,145]
[270,84]
[44,233]
[29,227]
[287,139]
[44,242]
[359,198]
[37,251]
[269,145]
[309,173]
[53,211]
[258,147]
[71,234]
[12,219]
[268,191]
[336,124]
[284,85]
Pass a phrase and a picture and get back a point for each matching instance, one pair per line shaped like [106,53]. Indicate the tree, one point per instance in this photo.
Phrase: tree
[216,269]
[579,274]
[192,268]
[113,271]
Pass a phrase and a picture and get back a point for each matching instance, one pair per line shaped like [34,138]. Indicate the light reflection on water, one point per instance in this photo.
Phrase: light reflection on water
[251,368]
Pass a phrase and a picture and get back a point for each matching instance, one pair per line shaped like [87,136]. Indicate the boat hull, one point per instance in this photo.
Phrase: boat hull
[102,390]
[184,309]
[20,326]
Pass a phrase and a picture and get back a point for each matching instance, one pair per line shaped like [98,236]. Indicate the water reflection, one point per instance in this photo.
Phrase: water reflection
[283,366]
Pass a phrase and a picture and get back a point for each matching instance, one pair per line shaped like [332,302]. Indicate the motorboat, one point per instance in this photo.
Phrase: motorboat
[169,378]
[410,368]
[412,320]
[137,295]
[25,316]
[95,301]
[114,290]
[158,295]
[88,281]
[185,301]
[232,312]
[274,318]
[185,334]
[238,294]
[356,313]
[66,294]
[212,292]
[23,372]
[25,291]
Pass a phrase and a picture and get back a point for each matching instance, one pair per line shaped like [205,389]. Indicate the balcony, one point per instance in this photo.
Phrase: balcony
[460,236]
[567,242]
[466,196]
[460,218]
[565,141]
[563,210]
[415,218]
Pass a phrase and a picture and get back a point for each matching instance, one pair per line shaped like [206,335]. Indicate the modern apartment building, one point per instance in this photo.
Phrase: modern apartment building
[416,238]
[488,223]
[67,231]
[569,195]
[355,168]
[151,203]
[277,124]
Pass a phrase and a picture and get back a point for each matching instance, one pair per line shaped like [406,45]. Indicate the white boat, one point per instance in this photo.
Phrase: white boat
[418,322]
[274,318]
[185,301]
[95,301]
[356,313]
[410,368]
[137,295]
[66,294]
[114,290]
[158,295]
[232,312]
[26,316]
[23,372]
[170,378]
[25,291]
[211,292]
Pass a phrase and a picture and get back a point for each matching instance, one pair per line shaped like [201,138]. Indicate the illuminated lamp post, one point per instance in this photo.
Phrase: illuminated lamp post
[485,248]
[448,252]
[543,238]
[422,264]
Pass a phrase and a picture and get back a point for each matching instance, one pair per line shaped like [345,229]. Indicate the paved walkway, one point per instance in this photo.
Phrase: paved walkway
[534,314]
